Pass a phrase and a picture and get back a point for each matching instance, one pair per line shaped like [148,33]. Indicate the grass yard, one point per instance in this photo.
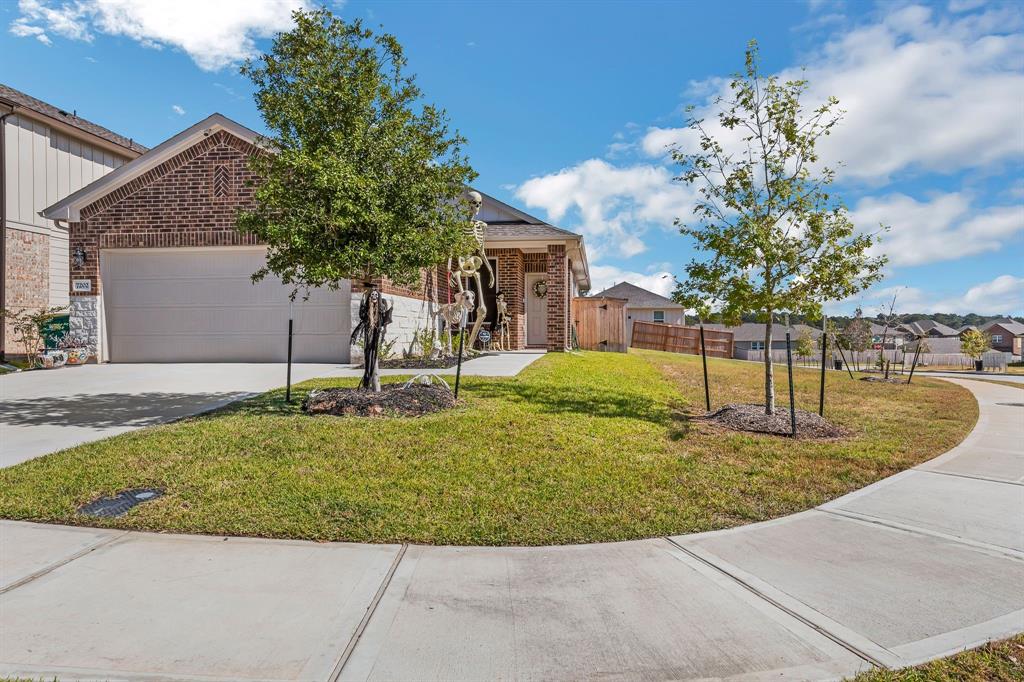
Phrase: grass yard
[995,662]
[577,448]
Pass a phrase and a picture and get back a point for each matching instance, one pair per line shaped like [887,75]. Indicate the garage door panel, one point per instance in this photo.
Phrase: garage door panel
[200,305]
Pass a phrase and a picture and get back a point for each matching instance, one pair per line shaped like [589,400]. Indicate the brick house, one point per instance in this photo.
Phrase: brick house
[45,154]
[1007,335]
[163,276]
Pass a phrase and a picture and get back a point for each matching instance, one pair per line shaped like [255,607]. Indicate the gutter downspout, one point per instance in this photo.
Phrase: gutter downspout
[3,228]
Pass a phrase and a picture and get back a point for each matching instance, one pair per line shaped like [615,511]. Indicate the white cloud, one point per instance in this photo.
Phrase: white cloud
[944,228]
[614,205]
[1003,295]
[178,109]
[213,34]
[604,276]
[921,94]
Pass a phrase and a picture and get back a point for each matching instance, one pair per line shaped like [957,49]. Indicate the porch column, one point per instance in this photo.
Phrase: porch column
[558,298]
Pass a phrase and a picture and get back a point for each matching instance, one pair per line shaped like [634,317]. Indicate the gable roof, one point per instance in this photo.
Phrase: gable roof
[1012,326]
[69,207]
[928,328]
[638,297]
[523,231]
[19,98]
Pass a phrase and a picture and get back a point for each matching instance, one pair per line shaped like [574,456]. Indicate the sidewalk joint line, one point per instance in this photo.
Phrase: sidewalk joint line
[347,653]
[1006,552]
[62,562]
[970,476]
[814,626]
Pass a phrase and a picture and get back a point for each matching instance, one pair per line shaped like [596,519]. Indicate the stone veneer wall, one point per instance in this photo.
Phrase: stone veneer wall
[28,278]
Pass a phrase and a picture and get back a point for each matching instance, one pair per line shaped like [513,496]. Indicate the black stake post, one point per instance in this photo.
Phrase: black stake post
[288,384]
[824,347]
[462,339]
[842,356]
[917,354]
[704,359]
[792,402]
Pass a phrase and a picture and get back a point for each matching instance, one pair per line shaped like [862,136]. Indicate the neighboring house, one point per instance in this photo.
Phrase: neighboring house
[1007,335]
[929,328]
[165,277]
[645,306]
[966,328]
[893,336]
[749,336]
[47,153]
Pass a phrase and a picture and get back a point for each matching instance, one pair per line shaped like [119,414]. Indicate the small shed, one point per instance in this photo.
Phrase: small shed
[600,323]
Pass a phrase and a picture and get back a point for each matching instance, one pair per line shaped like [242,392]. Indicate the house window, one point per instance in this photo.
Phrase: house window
[659,315]
[757,345]
[997,338]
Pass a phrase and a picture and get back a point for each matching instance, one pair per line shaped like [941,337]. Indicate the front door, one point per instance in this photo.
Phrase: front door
[536,313]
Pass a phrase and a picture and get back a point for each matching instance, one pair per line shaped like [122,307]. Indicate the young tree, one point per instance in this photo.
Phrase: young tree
[805,344]
[858,335]
[777,238]
[362,180]
[974,343]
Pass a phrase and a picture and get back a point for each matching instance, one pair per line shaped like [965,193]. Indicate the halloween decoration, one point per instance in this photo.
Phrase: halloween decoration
[452,313]
[502,330]
[374,317]
[469,265]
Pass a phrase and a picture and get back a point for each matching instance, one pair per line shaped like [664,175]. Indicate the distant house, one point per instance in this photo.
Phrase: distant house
[645,306]
[1007,335]
[928,328]
[749,336]
[892,337]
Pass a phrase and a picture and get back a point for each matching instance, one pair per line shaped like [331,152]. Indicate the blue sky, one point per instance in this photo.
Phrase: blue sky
[568,108]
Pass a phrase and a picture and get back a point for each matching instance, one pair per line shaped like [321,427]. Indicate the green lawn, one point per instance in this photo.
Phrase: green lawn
[996,662]
[578,448]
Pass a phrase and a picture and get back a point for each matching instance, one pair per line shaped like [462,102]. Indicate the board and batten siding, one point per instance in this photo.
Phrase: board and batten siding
[41,167]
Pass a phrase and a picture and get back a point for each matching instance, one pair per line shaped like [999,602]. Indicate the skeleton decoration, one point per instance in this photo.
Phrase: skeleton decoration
[452,312]
[469,265]
[502,331]
[374,318]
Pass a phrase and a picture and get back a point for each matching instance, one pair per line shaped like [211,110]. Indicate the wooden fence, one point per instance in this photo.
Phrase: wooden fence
[600,323]
[678,339]
[899,361]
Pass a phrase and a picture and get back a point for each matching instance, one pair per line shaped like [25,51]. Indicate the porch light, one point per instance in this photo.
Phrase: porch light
[78,256]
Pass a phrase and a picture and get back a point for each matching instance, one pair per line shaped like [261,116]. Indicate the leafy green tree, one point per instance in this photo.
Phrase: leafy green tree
[363,180]
[776,238]
[805,344]
[974,343]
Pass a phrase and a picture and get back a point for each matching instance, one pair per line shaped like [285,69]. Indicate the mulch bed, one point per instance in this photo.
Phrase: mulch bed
[392,401]
[745,417]
[883,380]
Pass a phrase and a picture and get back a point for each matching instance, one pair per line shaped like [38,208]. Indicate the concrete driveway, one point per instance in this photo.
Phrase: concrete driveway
[45,411]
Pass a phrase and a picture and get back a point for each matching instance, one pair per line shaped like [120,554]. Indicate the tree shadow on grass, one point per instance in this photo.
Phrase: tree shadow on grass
[110,409]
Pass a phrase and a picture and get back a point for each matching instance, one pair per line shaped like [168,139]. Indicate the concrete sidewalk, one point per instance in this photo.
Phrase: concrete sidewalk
[45,411]
[917,566]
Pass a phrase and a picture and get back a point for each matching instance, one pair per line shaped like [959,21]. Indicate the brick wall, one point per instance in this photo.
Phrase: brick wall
[510,281]
[558,297]
[28,278]
[535,262]
[189,200]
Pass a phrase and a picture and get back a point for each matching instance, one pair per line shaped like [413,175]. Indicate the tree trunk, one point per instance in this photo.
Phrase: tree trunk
[375,375]
[769,370]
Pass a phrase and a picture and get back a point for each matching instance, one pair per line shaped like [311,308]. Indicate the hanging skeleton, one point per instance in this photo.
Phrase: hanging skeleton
[469,266]
[502,331]
[374,318]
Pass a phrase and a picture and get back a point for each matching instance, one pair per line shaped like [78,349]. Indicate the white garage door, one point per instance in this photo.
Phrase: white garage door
[200,305]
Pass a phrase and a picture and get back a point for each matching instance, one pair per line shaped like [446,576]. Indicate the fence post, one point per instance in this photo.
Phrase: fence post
[704,359]
[792,401]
